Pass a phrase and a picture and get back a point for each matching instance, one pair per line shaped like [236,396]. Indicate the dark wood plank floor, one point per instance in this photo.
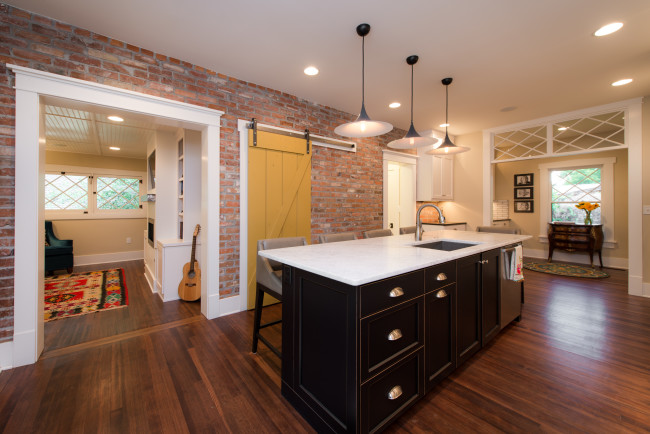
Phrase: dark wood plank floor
[579,361]
[145,309]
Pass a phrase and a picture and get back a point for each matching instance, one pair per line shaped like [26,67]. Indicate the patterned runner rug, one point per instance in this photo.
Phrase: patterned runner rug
[566,270]
[82,293]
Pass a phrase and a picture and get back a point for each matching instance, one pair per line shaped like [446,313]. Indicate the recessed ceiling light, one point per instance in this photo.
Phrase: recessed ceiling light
[444,125]
[562,128]
[113,148]
[622,82]
[608,29]
[394,105]
[115,119]
[311,70]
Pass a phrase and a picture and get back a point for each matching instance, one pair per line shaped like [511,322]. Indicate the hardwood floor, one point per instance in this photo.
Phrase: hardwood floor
[145,309]
[578,361]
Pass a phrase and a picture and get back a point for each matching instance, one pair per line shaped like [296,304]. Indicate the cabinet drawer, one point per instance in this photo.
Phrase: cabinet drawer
[389,334]
[385,397]
[387,293]
[440,275]
[572,229]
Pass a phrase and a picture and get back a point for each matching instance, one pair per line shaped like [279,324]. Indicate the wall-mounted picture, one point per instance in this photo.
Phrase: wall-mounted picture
[523,193]
[524,206]
[523,179]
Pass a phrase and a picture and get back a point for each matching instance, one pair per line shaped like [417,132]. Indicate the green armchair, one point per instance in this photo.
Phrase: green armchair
[58,253]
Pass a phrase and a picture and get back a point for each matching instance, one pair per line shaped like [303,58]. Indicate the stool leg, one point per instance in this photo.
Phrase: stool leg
[259,301]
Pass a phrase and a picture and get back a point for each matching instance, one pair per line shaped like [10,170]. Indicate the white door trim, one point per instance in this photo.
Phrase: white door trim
[398,157]
[30,157]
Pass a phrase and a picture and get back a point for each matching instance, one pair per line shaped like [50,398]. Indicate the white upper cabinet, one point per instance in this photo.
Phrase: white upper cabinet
[435,177]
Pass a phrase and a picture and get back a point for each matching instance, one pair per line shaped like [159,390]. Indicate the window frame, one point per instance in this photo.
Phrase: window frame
[606,166]
[93,212]
[574,203]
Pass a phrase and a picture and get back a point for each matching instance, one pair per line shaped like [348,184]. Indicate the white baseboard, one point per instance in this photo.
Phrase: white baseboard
[578,258]
[109,257]
[6,356]
[229,305]
[646,289]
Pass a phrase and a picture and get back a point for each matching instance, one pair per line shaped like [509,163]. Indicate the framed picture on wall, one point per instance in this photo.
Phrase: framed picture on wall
[523,193]
[523,179]
[524,206]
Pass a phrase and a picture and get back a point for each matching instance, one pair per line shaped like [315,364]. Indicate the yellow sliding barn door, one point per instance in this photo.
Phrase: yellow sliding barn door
[279,193]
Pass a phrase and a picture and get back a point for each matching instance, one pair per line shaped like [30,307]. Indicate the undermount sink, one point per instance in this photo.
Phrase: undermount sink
[447,246]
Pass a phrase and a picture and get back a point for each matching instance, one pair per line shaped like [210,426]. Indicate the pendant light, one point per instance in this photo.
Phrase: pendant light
[363,126]
[447,147]
[412,139]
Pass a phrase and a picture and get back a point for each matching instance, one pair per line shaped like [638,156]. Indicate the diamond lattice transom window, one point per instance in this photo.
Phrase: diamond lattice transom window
[66,192]
[592,132]
[528,142]
[570,187]
[117,193]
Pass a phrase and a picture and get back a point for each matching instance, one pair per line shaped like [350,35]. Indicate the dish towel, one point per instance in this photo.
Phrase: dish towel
[517,264]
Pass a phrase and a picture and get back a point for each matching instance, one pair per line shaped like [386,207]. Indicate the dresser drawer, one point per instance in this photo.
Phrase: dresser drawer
[385,397]
[439,275]
[388,335]
[572,229]
[387,293]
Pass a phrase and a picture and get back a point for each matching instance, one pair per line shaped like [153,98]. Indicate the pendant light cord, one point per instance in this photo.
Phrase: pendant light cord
[411,94]
[363,71]
[446,108]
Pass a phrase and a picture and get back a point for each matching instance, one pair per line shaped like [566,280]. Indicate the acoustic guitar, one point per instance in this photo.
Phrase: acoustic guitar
[190,287]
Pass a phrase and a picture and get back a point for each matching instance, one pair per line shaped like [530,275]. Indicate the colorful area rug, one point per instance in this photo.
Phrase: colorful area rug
[82,293]
[566,270]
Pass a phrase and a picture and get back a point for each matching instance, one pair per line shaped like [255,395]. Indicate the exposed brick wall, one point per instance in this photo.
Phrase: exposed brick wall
[346,187]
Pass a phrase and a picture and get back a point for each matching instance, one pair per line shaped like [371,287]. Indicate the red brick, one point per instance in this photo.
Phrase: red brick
[82,32]
[84,59]
[25,54]
[48,50]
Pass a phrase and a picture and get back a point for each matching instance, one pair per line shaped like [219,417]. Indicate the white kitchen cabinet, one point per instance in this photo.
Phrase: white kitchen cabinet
[435,176]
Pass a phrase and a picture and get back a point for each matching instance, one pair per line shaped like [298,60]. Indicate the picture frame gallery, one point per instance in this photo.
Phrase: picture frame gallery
[524,179]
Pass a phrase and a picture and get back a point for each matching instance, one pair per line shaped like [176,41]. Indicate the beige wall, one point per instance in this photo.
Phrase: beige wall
[529,223]
[95,237]
[646,189]
[468,184]
[100,236]
[87,160]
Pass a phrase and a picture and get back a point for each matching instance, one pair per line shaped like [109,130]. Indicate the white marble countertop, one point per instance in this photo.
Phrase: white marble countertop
[363,261]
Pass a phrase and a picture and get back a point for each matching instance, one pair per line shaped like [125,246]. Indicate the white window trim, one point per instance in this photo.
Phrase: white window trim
[92,212]
[607,199]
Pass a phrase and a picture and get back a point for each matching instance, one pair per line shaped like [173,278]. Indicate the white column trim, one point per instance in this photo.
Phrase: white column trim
[633,131]
[31,85]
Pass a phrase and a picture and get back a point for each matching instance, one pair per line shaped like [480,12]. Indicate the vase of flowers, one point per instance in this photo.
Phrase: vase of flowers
[587,207]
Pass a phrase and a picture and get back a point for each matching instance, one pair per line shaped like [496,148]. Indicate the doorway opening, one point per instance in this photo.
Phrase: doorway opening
[31,87]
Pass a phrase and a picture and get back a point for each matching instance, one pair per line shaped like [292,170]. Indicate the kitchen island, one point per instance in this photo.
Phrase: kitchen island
[369,326]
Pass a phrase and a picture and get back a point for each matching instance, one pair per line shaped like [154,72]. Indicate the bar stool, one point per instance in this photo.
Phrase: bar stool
[333,238]
[269,280]
[407,230]
[376,233]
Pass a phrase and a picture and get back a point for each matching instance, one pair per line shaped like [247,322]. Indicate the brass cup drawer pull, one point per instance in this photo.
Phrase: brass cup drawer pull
[441,294]
[396,292]
[395,393]
[441,277]
[395,335]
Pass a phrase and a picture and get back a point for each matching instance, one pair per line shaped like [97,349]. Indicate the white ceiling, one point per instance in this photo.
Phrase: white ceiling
[538,56]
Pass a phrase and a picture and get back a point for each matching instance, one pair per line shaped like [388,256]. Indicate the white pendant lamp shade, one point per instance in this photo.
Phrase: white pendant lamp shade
[363,126]
[447,147]
[412,139]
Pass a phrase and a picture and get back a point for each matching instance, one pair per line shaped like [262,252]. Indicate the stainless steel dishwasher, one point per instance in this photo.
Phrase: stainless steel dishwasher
[511,293]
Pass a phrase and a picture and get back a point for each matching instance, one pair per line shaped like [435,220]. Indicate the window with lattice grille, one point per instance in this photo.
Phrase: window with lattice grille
[573,135]
[572,186]
[66,191]
[111,194]
[117,193]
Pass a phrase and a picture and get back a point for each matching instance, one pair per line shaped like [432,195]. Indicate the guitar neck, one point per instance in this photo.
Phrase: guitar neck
[193,252]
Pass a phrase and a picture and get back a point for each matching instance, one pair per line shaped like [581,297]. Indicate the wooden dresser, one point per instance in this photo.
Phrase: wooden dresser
[573,237]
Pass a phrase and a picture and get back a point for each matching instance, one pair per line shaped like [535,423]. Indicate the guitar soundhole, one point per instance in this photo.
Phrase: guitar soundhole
[191,274]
